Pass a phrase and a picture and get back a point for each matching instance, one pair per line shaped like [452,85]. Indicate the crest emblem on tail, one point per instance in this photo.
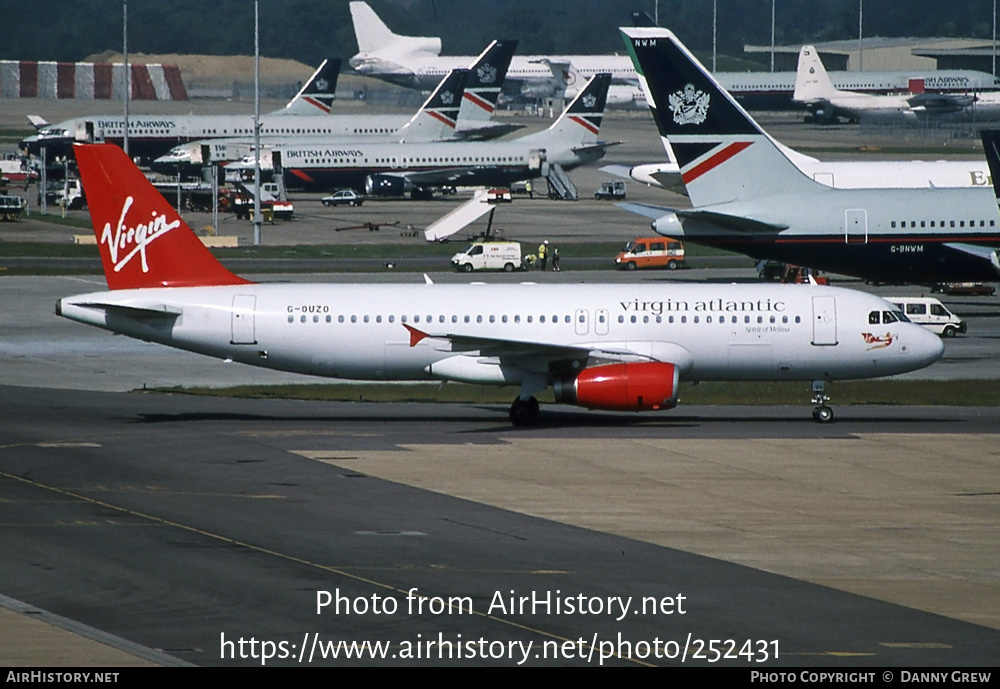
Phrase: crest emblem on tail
[689,106]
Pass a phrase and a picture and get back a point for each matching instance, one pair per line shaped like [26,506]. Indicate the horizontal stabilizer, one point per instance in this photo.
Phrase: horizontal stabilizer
[150,312]
[730,222]
[646,210]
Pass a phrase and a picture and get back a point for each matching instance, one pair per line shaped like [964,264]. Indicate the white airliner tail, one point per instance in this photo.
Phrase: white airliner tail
[812,83]
[723,154]
[374,36]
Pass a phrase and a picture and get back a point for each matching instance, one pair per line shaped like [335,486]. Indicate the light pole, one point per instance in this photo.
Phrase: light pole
[772,35]
[256,123]
[714,26]
[128,77]
[861,42]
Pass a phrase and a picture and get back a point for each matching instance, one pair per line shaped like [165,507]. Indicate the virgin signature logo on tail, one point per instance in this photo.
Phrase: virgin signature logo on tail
[134,240]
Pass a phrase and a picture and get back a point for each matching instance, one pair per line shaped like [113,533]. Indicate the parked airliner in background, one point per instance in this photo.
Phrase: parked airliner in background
[392,169]
[749,197]
[416,62]
[613,347]
[436,120]
[466,115]
[567,82]
[153,135]
[827,103]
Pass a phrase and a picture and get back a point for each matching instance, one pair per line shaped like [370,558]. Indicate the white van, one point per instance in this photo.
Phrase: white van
[930,313]
[484,255]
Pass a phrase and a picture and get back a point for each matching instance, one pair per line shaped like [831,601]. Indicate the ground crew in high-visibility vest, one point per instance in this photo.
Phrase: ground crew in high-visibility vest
[543,254]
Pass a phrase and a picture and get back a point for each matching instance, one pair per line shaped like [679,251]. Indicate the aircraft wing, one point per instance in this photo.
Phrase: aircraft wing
[425,178]
[486,131]
[504,348]
[983,252]
[939,103]
[646,210]
[598,146]
[716,219]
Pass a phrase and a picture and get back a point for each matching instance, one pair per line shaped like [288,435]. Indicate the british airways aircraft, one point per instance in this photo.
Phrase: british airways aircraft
[622,347]
[467,115]
[749,197]
[152,135]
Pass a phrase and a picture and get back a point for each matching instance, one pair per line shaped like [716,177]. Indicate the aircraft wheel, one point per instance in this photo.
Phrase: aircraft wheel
[524,412]
[823,414]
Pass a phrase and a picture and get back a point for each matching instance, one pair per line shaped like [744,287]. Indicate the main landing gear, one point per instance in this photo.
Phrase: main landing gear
[524,412]
[821,412]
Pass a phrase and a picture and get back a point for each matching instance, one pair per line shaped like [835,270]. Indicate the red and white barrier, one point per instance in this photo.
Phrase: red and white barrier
[89,80]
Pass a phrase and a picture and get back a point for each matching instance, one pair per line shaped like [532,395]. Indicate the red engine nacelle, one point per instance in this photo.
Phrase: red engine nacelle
[622,387]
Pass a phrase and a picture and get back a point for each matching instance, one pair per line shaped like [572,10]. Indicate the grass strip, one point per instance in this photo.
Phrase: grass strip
[972,393]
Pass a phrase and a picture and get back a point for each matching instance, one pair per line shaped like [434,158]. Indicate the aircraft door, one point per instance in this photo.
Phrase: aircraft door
[601,321]
[824,321]
[535,158]
[581,322]
[856,226]
[244,306]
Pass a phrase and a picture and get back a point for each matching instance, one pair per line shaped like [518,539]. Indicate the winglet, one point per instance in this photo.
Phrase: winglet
[142,240]
[415,335]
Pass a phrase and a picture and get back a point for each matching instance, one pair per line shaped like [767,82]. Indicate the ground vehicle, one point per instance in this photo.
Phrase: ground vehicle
[71,190]
[489,255]
[610,190]
[344,197]
[972,289]
[10,208]
[930,313]
[651,252]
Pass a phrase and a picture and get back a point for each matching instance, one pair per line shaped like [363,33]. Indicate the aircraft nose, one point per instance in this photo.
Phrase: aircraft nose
[927,346]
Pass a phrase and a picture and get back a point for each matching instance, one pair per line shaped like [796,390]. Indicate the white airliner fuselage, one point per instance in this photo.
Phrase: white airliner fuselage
[503,334]
[869,174]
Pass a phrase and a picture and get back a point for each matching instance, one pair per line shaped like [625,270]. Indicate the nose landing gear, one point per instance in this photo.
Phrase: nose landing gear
[822,413]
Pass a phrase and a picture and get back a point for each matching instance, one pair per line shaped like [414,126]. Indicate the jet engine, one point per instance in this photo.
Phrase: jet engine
[642,386]
[387,185]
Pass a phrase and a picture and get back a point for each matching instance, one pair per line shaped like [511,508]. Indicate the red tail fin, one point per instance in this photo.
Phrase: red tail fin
[142,240]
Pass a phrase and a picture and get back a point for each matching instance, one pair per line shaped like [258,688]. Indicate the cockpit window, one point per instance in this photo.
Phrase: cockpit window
[874,318]
[888,317]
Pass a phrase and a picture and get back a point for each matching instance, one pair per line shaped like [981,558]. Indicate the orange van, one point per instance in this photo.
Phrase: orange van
[651,252]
